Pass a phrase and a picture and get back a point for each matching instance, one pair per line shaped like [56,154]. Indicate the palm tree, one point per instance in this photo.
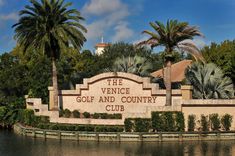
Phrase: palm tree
[136,65]
[209,82]
[50,27]
[173,36]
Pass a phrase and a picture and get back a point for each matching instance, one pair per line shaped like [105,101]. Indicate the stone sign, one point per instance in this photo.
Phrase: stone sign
[112,93]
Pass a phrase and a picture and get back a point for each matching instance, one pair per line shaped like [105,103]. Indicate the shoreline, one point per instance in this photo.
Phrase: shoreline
[122,136]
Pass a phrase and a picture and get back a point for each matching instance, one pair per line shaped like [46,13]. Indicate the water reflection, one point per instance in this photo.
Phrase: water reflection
[11,145]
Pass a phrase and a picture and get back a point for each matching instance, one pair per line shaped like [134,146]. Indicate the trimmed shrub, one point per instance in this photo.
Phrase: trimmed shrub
[76,114]
[96,116]
[43,126]
[70,127]
[86,114]
[214,121]
[179,122]
[204,123]
[226,121]
[168,121]
[89,128]
[191,122]
[157,121]
[104,115]
[128,125]
[67,113]
[53,127]
[80,128]
[142,125]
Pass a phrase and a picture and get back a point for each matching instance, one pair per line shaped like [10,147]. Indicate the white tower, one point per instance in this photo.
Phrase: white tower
[99,47]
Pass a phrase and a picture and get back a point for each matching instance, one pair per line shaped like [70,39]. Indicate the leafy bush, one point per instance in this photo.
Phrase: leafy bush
[86,114]
[128,124]
[179,122]
[142,125]
[76,114]
[3,111]
[109,129]
[96,116]
[191,122]
[215,122]
[53,127]
[90,128]
[169,121]
[67,113]
[226,121]
[157,121]
[104,115]
[204,123]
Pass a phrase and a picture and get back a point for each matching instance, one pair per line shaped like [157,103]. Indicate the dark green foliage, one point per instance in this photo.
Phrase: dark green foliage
[128,125]
[107,116]
[157,121]
[3,111]
[214,121]
[53,127]
[204,123]
[103,115]
[96,115]
[86,114]
[108,129]
[76,114]
[13,79]
[168,121]
[142,125]
[223,55]
[226,121]
[179,122]
[67,113]
[191,122]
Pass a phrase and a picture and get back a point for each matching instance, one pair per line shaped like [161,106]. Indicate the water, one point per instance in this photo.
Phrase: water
[15,145]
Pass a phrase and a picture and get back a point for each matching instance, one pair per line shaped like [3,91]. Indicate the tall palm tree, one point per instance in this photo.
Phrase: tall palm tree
[49,27]
[209,82]
[173,36]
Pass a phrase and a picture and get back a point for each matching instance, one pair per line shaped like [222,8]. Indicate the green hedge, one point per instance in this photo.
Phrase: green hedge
[76,114]
[89,128]
[168,121]
[204,123]
[128,125]
[214,121]
[137,124]
[226,121]
[191,122]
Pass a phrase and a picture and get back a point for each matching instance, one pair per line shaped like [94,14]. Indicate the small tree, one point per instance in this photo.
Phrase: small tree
[128,125]
[226,121]
[204,123]
[215,122]
[67,113]
[191,122]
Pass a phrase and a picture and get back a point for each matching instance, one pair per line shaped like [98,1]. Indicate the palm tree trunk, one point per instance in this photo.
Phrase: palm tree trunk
[167,79]
[55,85]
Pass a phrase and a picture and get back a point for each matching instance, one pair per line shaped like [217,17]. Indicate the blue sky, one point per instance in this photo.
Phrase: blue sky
[124,20]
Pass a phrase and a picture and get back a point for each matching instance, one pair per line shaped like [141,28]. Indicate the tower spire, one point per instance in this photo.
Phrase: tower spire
[102,39]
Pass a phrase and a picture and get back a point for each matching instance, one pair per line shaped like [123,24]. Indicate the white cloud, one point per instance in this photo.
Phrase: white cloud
[122,32]
[101,7]
[110,17]
[11,16]
[1,2]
